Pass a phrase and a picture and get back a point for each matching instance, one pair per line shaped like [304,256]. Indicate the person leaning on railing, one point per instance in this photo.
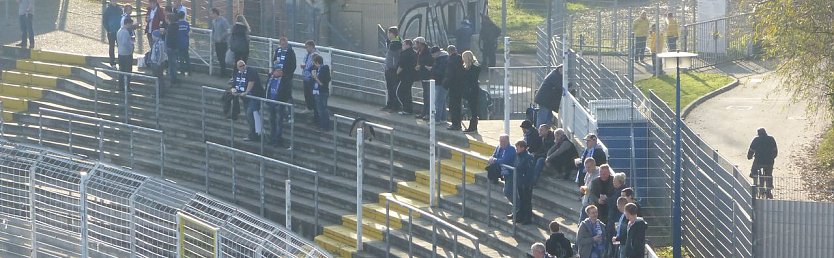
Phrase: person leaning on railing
[246,81]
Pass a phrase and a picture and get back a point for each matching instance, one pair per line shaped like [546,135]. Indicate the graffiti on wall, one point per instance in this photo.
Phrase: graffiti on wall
[437,19]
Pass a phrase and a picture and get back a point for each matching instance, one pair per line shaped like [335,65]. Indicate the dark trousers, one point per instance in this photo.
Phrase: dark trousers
[220,49]
[125,65]
[391,84]
[524,207]
[472,100]
[276,119]
[251,106]
[309,101]
[404,95]
[672,43]
[321,110]
[489,53]
[27,30]
[639,48]
[426,96]
[455,108]
[173,64]
[111,43]
[762,175]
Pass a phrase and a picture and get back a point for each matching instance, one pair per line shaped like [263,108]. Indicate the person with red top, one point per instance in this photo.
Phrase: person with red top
[155,16]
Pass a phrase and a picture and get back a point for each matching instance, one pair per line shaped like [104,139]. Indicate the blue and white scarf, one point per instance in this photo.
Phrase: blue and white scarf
[274,85]
[280,59]
[316,84]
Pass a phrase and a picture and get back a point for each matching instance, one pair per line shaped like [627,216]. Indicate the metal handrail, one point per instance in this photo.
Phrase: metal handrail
[99,123]
[263,158]
[262,101]
[391,133]
[2,120]
[434,219]
[96,70]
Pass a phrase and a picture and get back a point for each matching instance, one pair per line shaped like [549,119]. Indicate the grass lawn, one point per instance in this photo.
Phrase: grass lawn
[522,22]
[693,86]
[666,252]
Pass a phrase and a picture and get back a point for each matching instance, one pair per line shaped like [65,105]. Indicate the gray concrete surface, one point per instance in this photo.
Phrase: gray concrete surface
[729,121]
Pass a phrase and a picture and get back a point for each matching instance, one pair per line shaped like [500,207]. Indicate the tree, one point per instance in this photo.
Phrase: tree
[799,34]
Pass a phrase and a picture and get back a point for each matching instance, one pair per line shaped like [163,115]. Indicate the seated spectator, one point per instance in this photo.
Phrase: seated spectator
[531,136]
[634,246]
[599,188]
[557,245]
[547,141]
[503,154]
[592,150]
[560,157]
[591,173]
[523,207]
[590,237]
[620,229]
[537,251]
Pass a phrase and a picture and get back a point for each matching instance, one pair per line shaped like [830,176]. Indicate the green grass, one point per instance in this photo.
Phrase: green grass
[693,86]
[522,22]
[666,252]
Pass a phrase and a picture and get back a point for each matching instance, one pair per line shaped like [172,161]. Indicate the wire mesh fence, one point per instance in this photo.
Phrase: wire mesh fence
[58,204]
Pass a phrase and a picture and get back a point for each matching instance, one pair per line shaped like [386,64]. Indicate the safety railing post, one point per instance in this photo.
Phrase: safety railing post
[127,96]
[130,139]
[335,145]
[387,228]
[95,91]
[203,111]
[515,200]
[507,100]
[359,173]
[69,135]
[463,191]
[234,177]
[100,141]
[316,199]
[410,234]
[40,128]
[32,208]
[207,168]
[489,204]
[433,172]
[2,120]
[261,184]
[391,162]
[263,122]
[156,105]
[288,204]
[211,50]
[82,191]
[292,132]
[434,240]
[162,155]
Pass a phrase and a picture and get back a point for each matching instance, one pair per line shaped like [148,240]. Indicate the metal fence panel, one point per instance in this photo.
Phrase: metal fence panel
[787,228]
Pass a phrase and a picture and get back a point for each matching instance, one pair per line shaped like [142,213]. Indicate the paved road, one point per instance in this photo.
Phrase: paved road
[729,121]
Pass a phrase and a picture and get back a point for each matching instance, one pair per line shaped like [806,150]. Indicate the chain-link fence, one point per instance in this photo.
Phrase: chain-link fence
[53,203]
[720,40]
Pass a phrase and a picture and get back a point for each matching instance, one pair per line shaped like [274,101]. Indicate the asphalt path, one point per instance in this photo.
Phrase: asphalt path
[728,122]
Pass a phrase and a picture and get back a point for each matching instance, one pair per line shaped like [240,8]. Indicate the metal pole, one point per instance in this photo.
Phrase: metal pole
[70,138]
[162,155]
[391,161]
[463,192]
[211,48]
[410,235]
[433,240]
[335,144]
[599,37]
[40,128]
[507,100]
[504,20]
[489,204]
[657,39]
[549,31]
[676,209]
[292,131]
[207,168]
[288,204]
[263,126]
[261,183]
[127,119]
[203,111]
[316,200]
[432,144]
[359,171]
[95,92]
[100,142]
[130,134]
[32,208]
[83,212]
[515,199]
[234,177]
[156,108]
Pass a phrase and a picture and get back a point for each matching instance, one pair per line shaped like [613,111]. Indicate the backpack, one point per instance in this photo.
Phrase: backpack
[531,114]
[158,54]
[484,104]
[368,130]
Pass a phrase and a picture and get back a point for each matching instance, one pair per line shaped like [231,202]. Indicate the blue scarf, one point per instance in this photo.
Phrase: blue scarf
[240,81]
[316,84]
[274,85]
[279,60]
[598,248]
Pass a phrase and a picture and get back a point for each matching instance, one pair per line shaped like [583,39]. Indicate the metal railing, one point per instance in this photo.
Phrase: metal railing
[464,154]
[126,90]
[55,202]
[456,231]
[92,133]
[719,40]
[524,82]
[575,119]
[241,164]
[288,114]
[792,188]
[337,119]
[2,120]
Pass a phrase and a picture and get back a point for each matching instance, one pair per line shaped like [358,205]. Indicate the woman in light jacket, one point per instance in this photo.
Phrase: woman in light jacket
[590,238]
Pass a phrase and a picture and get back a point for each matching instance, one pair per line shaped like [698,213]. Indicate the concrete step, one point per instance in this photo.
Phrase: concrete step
[333,246]
[470,161]
[29,78]
[417,191]
[374,229]
[44,67]
[346,235]
[447,183]
[58,57]
[384,197]
[450,168]
[23,91]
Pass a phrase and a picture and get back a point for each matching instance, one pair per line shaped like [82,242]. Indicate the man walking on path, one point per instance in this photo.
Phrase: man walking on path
[26,9]
[764,149]
[220,30]
[110,20]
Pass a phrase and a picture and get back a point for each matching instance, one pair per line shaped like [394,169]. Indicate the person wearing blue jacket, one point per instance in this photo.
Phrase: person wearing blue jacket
[504,155]
[523,207]
[321,91]
[183,29]
[111,21]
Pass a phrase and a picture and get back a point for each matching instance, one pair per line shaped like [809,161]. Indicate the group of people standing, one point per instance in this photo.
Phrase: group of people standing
[647,35]
[455,71]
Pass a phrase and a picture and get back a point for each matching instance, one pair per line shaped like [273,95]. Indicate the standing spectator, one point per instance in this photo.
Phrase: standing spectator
[537,250]
[128,11]
[463,35]
[634,246]
[524,163]
[504,154]
[438,73]
[471,88]
[590,237]
[183,59]
[656,44]
[245,81]
[672,32]
[278,92]
[307,75]
[557,245]
[600,188]
[321,91]
[26,11]
[764,149]
[171,31]
[620,227]
[125,38]
[239,41]
[628,193]
[531,136]
[614,194]
[641,32]
[158,55]
[406,75]
[283,59]
[560,157]
[110,20]
[154,20]
[591,173]
[489,40]
[178,7]
[549,96]
[392,60]
[220,29]
[423,69]
[454,74]
[592,149]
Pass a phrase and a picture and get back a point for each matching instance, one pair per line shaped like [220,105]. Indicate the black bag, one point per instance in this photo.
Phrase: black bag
[493,172]
[531,114]
[367,130]
[231,105]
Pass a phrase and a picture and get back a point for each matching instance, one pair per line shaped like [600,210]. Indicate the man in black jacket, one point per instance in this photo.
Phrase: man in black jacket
[592,149]
[489,40]
[635,242]
[275,90]
[392,60]
[764,149]
[407,74]
[452,82]
[557,245]
[441,61]
[549,96]
[246,81]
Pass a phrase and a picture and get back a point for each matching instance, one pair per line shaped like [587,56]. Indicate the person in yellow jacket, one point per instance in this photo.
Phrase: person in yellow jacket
[641,32]
[672,32]
[656,43]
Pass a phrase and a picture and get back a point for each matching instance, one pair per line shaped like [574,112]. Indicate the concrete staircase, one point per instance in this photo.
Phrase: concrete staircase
[335,230]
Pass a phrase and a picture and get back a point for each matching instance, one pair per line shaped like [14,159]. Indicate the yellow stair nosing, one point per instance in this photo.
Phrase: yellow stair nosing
[334,246]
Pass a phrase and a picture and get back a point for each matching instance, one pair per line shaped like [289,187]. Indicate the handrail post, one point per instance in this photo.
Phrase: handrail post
[156,108]
[434,240]
[100,142]
[95,91]
[463,192]
[387,228]
[433,164]
[359,171]
[335,145]
[211,51]
[288,204]
[391,162]
[410,234]
[489,204]
[263,125]
[203,111]
[162,155]
[292,132]
[40,127]
[515,199]
[261,184]
[207,168]
[69,136]
[316,199]
[127,96]
[130,136]
[507,100]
